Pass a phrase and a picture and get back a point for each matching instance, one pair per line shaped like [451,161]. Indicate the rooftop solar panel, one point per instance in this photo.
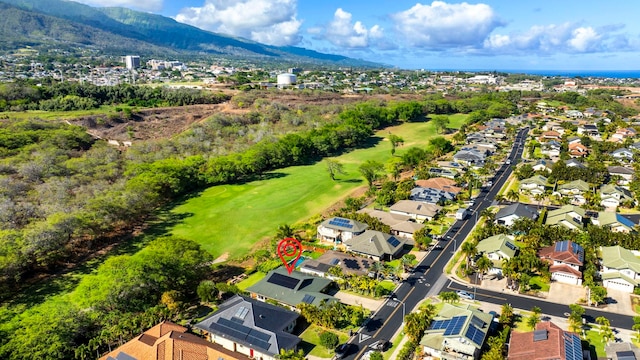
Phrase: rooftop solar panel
[334,261]
[474,334]
[351,264]
[241,313]
[510,246]
[455,325]
[539,335]
[477,322]
[393,241]
[260,335]
[308,299]
[283,280]
[439,324]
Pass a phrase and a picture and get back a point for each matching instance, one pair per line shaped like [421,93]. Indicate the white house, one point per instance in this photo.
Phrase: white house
[620,268]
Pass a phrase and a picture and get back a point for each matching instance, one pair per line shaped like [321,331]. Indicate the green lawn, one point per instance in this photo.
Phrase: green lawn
[251,280]
[51,115]
[311,341]
[537,283]
[232,218]
[595,340]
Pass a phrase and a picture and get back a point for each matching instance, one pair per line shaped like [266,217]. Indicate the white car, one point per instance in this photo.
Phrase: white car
[464,295]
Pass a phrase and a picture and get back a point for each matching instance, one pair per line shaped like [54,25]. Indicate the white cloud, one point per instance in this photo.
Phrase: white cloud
[442,25]
[147,5]
[272,22]
[562,38]
[584,39]
[343,32]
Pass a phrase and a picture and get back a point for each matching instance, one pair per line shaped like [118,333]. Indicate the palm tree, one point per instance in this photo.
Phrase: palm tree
[506,314]
[605,329]
[512,195]
[499,198]
[469,249]
[377,267]
[483,265]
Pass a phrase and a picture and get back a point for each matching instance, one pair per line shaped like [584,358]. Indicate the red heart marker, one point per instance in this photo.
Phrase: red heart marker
[289,248]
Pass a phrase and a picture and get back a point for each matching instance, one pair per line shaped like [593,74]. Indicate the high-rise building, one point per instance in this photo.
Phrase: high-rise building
[132,61]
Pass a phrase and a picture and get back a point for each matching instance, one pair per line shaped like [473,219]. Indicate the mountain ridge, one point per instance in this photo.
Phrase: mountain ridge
[149,34]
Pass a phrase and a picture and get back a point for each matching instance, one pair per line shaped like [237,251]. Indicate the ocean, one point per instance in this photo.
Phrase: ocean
[616,74]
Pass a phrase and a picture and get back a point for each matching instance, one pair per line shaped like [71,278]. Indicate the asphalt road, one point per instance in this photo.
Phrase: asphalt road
[428,276]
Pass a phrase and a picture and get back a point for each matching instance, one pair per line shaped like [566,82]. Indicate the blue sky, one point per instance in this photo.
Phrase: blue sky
[487,35]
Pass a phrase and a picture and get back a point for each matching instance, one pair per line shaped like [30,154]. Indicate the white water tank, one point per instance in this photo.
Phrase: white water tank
[286,79]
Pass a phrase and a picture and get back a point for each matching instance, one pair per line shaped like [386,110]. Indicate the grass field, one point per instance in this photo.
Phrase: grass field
[232,218]
[52,115]
[311,341]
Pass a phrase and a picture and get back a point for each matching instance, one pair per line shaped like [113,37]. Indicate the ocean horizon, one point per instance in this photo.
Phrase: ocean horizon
[614,74]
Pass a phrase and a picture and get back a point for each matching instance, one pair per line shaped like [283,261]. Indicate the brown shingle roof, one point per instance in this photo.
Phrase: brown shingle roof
[523,347]
[439,183]
[169,341]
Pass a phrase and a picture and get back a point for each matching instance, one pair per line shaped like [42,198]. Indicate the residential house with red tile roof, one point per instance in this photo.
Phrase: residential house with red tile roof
[566,259]
[546,342]
[440,183]
[578,150]
[169,341]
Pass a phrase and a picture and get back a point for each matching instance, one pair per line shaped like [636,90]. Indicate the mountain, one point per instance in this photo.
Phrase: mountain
[118,29]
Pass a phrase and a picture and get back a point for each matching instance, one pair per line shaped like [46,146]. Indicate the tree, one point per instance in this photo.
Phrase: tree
[506,314]
[415,325]
[441,123]
[376,355]
[605,329]
[598,294]
[534,318]
[334,167]
[395,141]
[575,318]
[469,250]
[370,170]
[422,237]
[329,340]
[449,296]
[483,265]
[512,195]
[291,355]
[207,291]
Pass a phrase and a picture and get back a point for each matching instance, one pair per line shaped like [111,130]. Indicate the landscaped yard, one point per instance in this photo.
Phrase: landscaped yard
[595,340]
[233,218]
[251,280]
[311,341]
[539,284]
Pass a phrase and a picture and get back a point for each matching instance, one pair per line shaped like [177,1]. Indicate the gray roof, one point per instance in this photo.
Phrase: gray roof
[292,289]
[417,207]
[518,209]
[252,323]
[375,243]
[350,264]
[469,155]
[343,224]
[620,170]
[574,163]
[431,195]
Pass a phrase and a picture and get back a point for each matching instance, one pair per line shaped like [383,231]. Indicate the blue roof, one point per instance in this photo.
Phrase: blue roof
[625,221]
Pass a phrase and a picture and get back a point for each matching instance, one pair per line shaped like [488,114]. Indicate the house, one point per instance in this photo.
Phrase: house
[337,229]
[431,196]
[614,221]
[543,165]
[291,289]
[574,114]
[622,351]
[456,333]
[623,174]
[566,259]
[620,268]
[536,185]
[169,341]
[440,183]
[589,112]
[589,130]
[507,215]
[622,134]
[574,190]
[377,245]
[551,148]
[250,327]
[622,154]
[497,248]
[612,196]
[570,216]
[418,210]
[475,138]
[550,135]
[547,341]
[574,140]
[350,265]
[578,150]
[443,172]
[470,157]
[575,163]
[635,146]
[400,224]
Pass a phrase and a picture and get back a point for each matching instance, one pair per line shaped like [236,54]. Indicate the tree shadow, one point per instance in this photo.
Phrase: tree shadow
[350,181]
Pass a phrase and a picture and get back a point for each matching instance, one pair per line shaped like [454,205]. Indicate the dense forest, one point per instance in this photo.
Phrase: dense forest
[64,195]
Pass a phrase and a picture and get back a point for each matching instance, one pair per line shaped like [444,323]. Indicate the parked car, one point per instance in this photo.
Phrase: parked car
[380,345]
[342,351]
[464,295]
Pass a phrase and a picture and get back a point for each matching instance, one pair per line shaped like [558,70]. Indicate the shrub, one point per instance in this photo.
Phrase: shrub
[329,340]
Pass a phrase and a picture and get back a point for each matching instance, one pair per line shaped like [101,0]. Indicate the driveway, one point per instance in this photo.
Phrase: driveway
[561,293]
[621,303]
[351,299]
